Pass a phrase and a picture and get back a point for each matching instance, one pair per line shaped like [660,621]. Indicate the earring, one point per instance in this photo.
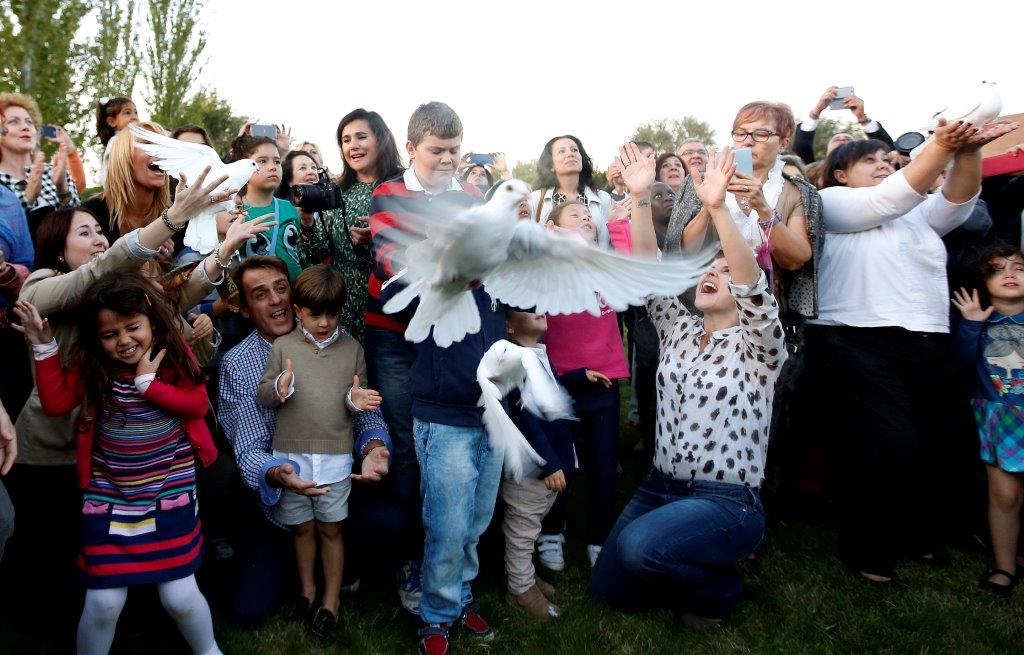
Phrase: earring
[60,258]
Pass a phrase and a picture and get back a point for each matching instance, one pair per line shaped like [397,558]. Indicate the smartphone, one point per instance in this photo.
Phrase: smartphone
[842,93]
[258,130]
[744,161]
[49,131]
[481,159]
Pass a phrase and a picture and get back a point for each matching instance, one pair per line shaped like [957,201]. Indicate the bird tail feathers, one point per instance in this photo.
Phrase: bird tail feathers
[451,316]
[505,438]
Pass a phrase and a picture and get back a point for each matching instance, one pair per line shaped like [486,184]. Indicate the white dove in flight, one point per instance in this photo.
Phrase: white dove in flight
[504,367]
[521,264]
[176,157]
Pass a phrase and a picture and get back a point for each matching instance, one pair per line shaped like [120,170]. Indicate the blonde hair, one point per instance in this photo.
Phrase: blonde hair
[26,102]
[119,188]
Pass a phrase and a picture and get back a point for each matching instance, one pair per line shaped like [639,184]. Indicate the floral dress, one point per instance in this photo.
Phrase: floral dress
[328,242]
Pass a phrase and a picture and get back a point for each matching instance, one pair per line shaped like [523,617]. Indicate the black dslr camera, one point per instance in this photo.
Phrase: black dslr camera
[323,195]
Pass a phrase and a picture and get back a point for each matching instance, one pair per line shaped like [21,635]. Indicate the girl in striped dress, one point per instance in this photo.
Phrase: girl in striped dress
[143,402]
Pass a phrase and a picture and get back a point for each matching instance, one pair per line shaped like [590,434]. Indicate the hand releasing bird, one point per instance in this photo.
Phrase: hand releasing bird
[504,367]
[522,264]
[176,157]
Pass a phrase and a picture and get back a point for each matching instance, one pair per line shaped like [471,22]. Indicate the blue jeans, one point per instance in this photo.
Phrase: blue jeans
[459,478]
[388,360]
[679,542]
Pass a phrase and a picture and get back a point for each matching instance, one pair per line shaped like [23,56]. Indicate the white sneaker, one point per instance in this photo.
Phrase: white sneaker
[549,551]
[592,553]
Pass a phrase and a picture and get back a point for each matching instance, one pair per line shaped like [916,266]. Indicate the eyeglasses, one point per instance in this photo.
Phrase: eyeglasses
[758,135]
[690,153]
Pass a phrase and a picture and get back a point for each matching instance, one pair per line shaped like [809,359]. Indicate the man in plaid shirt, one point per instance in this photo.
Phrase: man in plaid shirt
[264,549]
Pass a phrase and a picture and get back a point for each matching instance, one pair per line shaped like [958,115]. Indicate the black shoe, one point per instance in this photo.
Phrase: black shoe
[1004,590]
[301,610]
[323,623]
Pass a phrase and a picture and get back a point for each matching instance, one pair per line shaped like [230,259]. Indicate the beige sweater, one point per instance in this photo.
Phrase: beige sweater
[50,440]
[315,419]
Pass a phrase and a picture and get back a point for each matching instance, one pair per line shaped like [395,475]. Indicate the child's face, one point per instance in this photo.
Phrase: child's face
[577,218]
[1007,283]
[526,324]
[435,160]
[129,114]
[125,339]
[321,325]
[268,168]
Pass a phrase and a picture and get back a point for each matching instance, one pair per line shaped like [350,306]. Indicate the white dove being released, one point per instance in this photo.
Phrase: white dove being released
[504,367]
[978,107]
[522,264]
[176,157]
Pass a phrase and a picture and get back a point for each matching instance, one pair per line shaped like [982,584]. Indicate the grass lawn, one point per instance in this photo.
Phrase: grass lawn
[800,601]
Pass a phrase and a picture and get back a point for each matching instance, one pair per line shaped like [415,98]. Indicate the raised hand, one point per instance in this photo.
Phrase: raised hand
[191,199]
[241,230]
[35,178]
[59,167]
[499,164]
[822,104]
[375,465]
[365,400]
[969,305]
[711,186]
[637,171]
[284,383]
[202,327]
[988,133]
[953,136]
[284,138]
[856,105]
[36,329]
[149,364]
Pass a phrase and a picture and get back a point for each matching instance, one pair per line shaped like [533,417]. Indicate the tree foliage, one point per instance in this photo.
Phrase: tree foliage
[666,134]
[171,57]
[829,127]
[213,112]
[40,55]
[111,61]
[527,172]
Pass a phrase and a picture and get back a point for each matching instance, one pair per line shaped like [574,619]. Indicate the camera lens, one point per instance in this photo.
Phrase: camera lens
[908,141]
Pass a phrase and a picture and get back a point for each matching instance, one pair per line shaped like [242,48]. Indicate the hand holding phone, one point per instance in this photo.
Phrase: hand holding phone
[49,132]
[842,93]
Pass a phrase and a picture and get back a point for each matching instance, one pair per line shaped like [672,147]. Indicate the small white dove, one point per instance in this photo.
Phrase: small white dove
[522,264]
[978,107]
[504,367]
[176,157]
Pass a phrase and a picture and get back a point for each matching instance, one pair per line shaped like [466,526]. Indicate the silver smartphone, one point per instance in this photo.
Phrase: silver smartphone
[842,93]
[744,161]
[259,130]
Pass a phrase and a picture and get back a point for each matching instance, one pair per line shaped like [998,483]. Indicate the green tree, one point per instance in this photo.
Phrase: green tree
[41,57]
[666,134]
[171,57]
[829,127]
[212,112]
[527,172]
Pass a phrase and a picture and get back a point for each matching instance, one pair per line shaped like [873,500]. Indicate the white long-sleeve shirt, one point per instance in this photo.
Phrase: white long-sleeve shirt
[884,263]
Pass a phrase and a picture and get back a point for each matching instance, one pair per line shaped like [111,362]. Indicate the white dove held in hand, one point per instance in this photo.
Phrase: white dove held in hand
[978,107]
[176,157]
[504,367]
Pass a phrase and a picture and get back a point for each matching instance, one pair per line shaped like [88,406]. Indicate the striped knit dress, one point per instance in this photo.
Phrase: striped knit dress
[140,514]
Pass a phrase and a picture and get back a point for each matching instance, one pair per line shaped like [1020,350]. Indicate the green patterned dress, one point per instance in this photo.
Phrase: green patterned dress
[328,242]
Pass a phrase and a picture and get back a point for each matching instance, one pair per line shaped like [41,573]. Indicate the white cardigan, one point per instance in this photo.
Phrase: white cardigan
[883,263]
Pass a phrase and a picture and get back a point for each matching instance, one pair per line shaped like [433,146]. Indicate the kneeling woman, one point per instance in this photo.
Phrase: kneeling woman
[698,512]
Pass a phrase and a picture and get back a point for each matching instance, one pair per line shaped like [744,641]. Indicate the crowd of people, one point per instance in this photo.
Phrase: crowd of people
[818,353]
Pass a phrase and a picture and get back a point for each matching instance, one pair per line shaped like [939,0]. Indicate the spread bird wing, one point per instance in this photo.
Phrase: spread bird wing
[504,436]
[559,273]
[175,157]
[541,394]
[443,219]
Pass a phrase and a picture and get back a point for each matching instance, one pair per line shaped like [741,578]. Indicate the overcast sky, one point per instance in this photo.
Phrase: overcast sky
[521,72]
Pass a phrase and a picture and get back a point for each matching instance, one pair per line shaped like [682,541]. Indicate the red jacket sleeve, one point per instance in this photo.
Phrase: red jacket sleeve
[60,390]
[185,401]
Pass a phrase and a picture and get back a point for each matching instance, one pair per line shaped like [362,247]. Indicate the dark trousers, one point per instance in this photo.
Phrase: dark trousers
[596,436]
[678,542]
[892,438]
[264,562]
[389,357]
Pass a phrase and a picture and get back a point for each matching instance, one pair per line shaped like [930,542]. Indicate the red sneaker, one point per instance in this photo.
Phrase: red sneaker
[434,639]
[476,624]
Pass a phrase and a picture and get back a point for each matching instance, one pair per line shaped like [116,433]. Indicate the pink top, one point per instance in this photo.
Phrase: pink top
[586,341]
[621,237]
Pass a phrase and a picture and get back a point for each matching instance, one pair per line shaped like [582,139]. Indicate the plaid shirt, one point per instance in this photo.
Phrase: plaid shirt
[250,426]
[47,192]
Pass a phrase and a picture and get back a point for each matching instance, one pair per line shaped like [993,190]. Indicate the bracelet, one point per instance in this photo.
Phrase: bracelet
[217,259]
[771,221]
[171,226]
